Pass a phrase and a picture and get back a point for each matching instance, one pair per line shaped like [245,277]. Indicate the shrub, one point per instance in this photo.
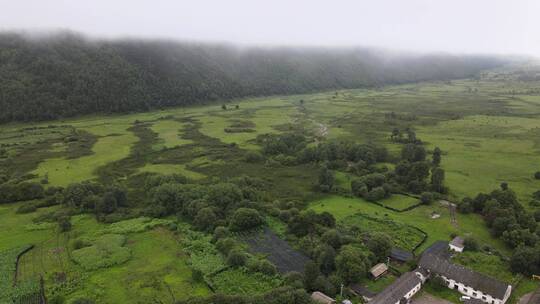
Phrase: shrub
[237,258]
[244,219]
[466,205]
[27,208]
[471,244]
[294,279]
[254,157]
[219,233]
[56,299]
[332,237]
[359,188]
[205,219]
[225,245]
[438,283]
[81,301]
[262,266]
[376,194]
[78,244]
[534,203]
[267,267]
[197,275]
[426,198]
[64,224]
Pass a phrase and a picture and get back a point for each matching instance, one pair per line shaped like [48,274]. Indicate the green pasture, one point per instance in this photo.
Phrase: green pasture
[169,133]
[114,143]
[156,260]
[157,264]
[480,152]
[18,229]
[265,120]
[421,217]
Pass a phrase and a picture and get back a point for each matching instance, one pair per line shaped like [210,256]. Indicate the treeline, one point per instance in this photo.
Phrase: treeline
[66,74]
[509,221]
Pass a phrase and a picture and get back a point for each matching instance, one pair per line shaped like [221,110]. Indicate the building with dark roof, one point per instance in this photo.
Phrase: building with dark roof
[439,248]
[361,291]
[466,281]
[400,291]
[401,255]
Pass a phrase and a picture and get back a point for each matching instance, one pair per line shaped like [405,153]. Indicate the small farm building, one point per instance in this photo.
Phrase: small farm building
[457,244]
[361,291]
[320,297]
[378,270]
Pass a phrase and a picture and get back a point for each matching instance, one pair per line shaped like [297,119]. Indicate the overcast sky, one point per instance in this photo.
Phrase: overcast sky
[471,26]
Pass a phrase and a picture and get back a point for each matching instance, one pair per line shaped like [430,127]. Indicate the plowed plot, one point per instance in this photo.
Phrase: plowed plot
[278,251]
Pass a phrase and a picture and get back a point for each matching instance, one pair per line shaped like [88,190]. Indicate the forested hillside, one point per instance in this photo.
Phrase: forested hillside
[65,74]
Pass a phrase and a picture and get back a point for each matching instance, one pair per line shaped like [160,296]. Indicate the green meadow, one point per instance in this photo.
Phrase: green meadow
[487,136]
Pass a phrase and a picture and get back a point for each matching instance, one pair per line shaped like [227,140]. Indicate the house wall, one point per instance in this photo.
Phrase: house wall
[421,277]
[412,292]
[457,249]
[470,292]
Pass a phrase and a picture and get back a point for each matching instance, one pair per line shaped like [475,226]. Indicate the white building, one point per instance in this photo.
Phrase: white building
[468,282]
[457,244]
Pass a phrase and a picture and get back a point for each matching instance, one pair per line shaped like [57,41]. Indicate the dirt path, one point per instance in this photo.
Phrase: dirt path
[530,298]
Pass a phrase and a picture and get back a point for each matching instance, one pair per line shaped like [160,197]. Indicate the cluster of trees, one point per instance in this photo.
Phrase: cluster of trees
[65,74]
[288,143]
[235,204]
[92,197]
[414,169]
[509,221]
[338,256]
[408,136]
[372,187]
[410,174]
[15,192]
[348,156]
[345,154]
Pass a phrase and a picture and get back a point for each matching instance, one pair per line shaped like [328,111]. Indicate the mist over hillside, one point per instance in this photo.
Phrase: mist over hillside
[66,74]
